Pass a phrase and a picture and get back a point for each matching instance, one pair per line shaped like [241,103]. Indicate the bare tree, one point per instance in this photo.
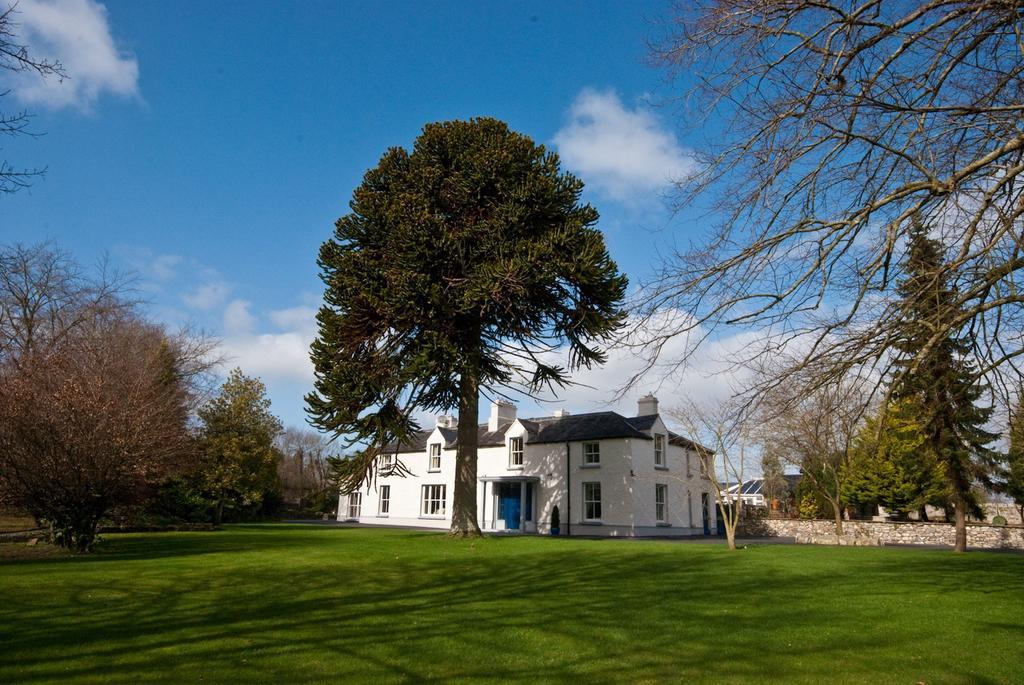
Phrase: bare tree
[94,401]
[94,424]
[45,296]
[303,470]
[15,58]
[830,124]
[814,430]
[722,442]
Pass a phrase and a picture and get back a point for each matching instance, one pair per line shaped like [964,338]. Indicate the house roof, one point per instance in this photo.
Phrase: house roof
[755,486]
[550,429]
[574,427]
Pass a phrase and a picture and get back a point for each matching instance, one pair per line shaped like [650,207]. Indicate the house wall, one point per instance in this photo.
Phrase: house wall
[626,473]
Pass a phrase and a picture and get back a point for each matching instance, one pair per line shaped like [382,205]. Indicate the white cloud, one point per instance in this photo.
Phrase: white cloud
[621,152]
[276,357]
[271,356]
[295,318]
[237,319]
[77,33]
[710,374]
[164,267]
[210,294]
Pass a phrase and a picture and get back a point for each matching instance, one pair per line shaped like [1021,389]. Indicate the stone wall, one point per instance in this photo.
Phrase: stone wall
[875,533]
[1008,511]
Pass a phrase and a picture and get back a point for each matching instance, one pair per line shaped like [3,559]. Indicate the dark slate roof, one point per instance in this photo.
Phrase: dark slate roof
[418,441]
[571,428]
[574,427]
[642,423]
[601,425]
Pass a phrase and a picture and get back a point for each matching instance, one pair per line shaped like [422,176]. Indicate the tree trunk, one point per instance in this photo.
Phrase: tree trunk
[961,526]
[730,535]
[1020,513]
[837,512]
[922,513]
[218,511]
[464,523]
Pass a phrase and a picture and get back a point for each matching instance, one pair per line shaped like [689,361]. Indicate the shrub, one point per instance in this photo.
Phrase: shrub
[999,521]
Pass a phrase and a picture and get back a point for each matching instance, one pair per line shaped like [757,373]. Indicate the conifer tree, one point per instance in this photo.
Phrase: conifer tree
[891,465]
[460,268]
[1014,485]
[934,372]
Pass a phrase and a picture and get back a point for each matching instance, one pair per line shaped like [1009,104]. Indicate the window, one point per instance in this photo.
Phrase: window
[705,461]
[435,457]
[659,450]
[355,504]
[384,507]
[660,499]
[591,454]
[515,452]
[433,500]
[592,501]
[387,462]
[689,473]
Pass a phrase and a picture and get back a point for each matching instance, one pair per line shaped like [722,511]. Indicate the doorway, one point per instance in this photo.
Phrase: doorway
[514,505]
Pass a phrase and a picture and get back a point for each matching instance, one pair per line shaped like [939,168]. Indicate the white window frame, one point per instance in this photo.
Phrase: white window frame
[384,501]
[704,464]
[355,505]
[591,457]
[591,504]
[515,452]
[689,470]
[387,462]
[661,503]
[434,464]
[659,451]
[433,501]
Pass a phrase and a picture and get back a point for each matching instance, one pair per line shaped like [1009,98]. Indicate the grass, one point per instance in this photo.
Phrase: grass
[279,604]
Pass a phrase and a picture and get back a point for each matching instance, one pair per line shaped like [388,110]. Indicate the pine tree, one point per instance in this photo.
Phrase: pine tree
[934,371]
[460,267]
[1014,478]
[891,466]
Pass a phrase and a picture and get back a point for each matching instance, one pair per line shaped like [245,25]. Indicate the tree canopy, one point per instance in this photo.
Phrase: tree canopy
[464,265]
[892,466]
[827,125]
[937,375]
[236,436]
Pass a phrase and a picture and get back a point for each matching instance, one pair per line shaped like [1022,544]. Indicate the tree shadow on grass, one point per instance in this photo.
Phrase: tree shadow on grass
[314,604]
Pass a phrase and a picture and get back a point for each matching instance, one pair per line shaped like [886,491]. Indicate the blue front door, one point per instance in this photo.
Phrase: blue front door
[510,505]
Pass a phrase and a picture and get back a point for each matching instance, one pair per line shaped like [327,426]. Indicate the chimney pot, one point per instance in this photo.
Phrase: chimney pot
[647,405]
[503,412]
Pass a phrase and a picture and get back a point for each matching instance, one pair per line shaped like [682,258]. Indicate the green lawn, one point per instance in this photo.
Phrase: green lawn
[301,604]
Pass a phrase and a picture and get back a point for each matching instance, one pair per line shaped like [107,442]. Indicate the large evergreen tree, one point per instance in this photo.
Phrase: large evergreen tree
[935,372]
[462,265]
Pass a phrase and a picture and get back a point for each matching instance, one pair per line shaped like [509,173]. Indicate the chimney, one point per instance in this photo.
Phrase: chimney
[445,421]
[647,405]
[561,413]
[503,412]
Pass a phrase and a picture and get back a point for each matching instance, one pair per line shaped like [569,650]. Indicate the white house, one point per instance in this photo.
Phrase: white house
[607,473]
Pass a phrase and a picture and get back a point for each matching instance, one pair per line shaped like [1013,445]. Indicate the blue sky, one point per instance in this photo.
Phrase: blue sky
[211,146]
